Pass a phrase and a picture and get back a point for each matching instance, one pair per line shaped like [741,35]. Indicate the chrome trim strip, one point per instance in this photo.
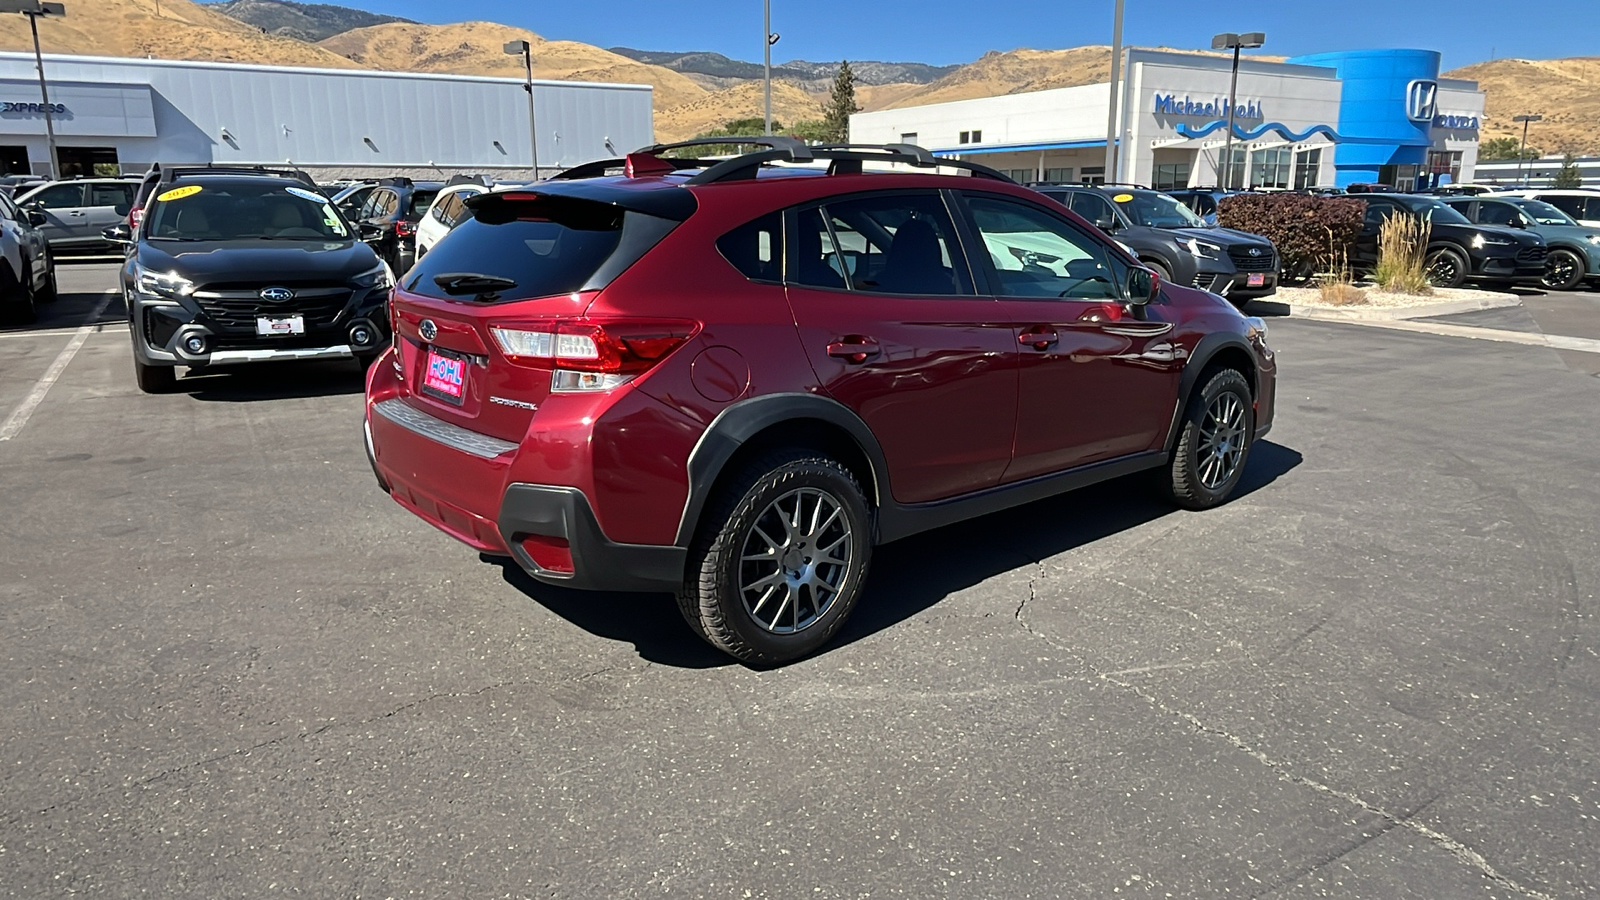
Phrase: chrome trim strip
[453,436]
[300,294]
[223,357]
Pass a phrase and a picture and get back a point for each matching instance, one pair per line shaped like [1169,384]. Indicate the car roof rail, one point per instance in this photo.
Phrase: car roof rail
[174,172]
[1124,184]
[846,159]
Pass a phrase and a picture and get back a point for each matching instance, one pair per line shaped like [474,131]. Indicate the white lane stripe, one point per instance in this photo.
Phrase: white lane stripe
[19,416]
[1532,339]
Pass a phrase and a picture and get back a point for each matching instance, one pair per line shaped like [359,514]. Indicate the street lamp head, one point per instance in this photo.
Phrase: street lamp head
[33,8]
[516,48]
[1231,41]
[1527,118]
[1225,41]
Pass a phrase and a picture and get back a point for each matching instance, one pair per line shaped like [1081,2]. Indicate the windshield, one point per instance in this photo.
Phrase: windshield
[1544,213]
[1154,210]
[1438,211]
[241,210]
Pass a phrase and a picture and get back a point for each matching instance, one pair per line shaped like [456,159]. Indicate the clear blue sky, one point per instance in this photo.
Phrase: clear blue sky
[948,31]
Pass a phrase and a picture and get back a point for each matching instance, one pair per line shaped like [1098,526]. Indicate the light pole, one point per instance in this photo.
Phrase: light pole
[526,49]
[1116,79]
[33,9]
[1522,155]
[1229,41]
[771,38]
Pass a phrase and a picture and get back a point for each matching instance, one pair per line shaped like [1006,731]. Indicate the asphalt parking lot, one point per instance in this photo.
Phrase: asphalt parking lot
[232,667]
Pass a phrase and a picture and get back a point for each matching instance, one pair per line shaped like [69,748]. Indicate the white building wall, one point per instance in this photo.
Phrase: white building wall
[323,118]
[1062,114]
[1461,104]
[1298,97]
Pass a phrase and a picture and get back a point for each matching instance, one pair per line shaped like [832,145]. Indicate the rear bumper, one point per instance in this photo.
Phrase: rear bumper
[459,482]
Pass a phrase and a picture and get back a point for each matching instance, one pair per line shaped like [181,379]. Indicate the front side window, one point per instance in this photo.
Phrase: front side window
[897,244]
[1544,213]
[1035,254]
[1093,207]
[61,196]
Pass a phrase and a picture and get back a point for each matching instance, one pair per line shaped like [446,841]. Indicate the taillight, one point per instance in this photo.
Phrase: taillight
[135,217]
[404,228]
[590,355]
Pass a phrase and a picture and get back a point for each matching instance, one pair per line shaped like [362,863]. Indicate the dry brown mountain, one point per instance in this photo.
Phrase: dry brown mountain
[474,48]
[1565,91]
[183,30]
[790,104]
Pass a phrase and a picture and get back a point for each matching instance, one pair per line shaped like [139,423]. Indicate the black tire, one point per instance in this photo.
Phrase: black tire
[154,379]
[16,297]
[1447,268]
[1160,268]
[1190,482]
[713,595]
[1563,270]
[50,291]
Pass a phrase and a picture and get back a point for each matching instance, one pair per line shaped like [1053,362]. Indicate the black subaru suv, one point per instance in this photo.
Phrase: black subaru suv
[232,266]
[1457,248]
[1168,237]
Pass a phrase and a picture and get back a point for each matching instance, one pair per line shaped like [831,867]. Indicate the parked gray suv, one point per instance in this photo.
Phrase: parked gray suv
[77,211]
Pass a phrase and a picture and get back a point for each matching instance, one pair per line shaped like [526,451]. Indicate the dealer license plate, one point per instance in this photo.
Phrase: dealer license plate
[445,376]
[1255,281]
[275,325]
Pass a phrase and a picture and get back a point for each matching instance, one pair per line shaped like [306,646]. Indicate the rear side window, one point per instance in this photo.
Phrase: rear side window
[110,194]
[756,248]
[548,246]
[898,244]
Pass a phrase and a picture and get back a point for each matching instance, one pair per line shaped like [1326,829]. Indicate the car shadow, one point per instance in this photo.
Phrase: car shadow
[902,584]
[1265,308]
[73,310]
[250,383]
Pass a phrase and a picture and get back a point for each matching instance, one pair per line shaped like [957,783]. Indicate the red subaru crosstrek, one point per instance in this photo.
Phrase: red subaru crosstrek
[732,378]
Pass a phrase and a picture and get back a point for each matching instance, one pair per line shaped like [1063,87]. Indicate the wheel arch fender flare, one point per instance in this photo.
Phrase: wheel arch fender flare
[738,423]
[1200,358]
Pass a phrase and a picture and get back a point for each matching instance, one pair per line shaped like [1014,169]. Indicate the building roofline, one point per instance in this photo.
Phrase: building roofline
[12,55]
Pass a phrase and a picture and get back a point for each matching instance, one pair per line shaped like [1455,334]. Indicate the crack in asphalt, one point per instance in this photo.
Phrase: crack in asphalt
[1462,853]
[303,735]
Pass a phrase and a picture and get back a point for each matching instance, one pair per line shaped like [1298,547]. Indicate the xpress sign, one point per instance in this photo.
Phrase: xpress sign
[8,106]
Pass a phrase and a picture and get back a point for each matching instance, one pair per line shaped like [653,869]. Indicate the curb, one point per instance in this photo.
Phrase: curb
[1446,308]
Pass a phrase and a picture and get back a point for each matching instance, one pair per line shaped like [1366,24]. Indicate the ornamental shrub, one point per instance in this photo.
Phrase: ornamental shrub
[1311,233]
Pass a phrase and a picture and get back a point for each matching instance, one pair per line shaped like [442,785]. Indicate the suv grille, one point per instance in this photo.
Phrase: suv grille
[1533,254]
[321,306]
[1244,262]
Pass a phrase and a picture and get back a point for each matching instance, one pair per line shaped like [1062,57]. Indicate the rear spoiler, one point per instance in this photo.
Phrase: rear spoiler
[663,202]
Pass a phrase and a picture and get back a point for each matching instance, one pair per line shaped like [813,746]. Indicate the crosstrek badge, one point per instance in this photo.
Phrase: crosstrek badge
[178,193]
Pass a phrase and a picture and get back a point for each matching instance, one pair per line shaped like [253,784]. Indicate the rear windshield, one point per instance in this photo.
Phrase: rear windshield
[546,247]
[242,209]
[421,200]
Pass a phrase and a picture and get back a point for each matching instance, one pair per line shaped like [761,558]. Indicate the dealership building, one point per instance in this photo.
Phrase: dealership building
[113,114]
[1326,120]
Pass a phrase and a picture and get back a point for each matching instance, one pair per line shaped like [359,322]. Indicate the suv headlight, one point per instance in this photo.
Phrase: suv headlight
[1202,249]
[1256,328]
[1593,238]
[162,284]
[1479,241]
[380,278]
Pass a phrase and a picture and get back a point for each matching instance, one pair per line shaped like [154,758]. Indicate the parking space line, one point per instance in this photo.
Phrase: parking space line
[19,416]
[1553,341]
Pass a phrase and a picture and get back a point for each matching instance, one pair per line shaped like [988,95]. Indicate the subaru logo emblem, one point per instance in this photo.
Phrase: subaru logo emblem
[1422,98]
[276,294]
[1255,251]
[428,330]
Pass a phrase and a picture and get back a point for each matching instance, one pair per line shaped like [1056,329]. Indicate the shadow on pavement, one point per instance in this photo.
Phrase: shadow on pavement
[72,310]
[908,576]
[273,381]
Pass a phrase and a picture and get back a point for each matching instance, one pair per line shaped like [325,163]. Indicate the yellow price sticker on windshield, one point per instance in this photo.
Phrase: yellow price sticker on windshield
[1123,198]
[179,193]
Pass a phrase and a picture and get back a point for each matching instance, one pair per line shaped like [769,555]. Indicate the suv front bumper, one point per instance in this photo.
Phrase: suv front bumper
[170,332]
[1236,285]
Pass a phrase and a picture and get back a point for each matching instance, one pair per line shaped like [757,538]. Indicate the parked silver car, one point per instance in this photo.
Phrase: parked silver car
[78,210]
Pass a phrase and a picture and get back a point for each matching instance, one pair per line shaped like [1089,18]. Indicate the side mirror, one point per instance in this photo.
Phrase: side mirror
[1144,285]
[1108,225]
[118,234]
[36,218]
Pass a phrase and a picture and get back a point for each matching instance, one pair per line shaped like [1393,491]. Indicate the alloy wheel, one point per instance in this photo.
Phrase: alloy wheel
[1222,441]
[795,558]
[1444,271]
[1560,272]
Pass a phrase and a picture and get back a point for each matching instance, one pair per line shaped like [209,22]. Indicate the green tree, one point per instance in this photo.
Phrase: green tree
[841,103]
[1505,148]
[1568,176]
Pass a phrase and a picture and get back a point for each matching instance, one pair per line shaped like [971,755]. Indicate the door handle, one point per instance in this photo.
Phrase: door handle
[854,349]
[1038,338]
[76,214]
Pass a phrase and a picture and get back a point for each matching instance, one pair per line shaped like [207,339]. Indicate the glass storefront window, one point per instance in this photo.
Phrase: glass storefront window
[1171,176]
[1270,168]
[1093,175]
[1058,176]
[1308,168]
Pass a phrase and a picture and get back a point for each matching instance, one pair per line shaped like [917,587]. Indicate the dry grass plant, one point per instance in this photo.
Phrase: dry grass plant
[1335,286]
[1403,255]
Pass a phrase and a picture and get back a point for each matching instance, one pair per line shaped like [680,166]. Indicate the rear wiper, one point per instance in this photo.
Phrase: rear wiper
[456,283]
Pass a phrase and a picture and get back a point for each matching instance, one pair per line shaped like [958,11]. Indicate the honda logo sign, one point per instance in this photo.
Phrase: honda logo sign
[1422,100]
